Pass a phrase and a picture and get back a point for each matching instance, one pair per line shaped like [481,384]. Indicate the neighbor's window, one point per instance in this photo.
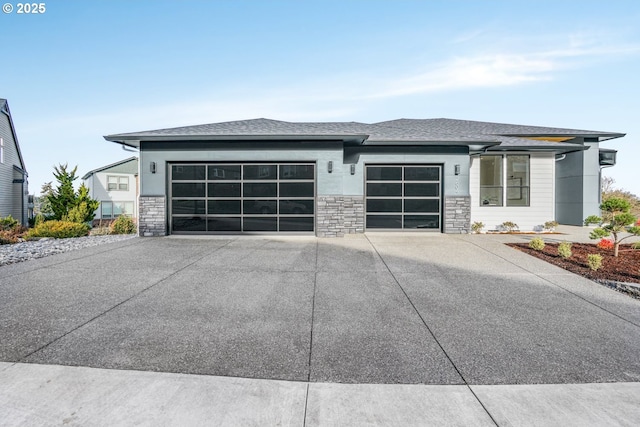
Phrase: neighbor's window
[109,210]
[504,178]
[1,150]
[120,183]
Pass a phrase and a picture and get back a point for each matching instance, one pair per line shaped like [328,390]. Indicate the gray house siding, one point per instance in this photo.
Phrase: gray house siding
[13,200]
[578,185]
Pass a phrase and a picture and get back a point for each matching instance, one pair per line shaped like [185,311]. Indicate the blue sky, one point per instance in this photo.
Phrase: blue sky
[84,69]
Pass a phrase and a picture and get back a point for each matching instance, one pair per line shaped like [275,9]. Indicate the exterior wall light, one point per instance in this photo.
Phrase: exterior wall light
[330,166]
[153,167]
[353,169]
[457,169]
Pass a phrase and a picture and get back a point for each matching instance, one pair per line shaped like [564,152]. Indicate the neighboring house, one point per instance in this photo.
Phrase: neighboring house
[14,191]
[115,186]
[262,176]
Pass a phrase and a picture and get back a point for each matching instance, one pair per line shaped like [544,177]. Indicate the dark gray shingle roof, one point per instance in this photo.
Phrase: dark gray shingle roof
[401,131]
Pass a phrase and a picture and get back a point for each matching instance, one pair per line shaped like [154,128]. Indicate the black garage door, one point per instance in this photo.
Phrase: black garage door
[242,197]
[403,197]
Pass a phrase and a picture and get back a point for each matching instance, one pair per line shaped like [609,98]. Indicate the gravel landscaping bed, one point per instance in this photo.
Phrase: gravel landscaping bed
[24,251]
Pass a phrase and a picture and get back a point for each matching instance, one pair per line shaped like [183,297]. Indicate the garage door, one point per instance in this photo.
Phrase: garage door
[401,197]
[242,197]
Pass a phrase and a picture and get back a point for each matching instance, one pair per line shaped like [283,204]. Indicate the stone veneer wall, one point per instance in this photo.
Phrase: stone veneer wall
[339,215]
[457,214]
[152,220]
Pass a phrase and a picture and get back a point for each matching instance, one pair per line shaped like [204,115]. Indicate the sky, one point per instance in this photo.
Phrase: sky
[84,69]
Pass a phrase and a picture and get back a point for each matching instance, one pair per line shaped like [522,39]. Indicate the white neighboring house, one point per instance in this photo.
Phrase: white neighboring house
[115,186]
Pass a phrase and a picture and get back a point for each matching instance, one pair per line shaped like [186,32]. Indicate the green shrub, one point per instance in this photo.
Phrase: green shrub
[594,261]
[509,226]
[550,225]
[78,213]
[477,227]
[592,219]
[8,223]
[564,250]
[59,229]
[536,244]
[635,245]
[123,225]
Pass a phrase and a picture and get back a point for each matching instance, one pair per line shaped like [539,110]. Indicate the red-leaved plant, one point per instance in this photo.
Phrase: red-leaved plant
[605,244]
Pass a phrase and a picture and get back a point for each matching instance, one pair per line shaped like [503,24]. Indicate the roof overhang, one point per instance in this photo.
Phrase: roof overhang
[134,140]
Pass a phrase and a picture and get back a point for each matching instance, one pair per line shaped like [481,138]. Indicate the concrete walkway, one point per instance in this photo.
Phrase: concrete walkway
[382,329]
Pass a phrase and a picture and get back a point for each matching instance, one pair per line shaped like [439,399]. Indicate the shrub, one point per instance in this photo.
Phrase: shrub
[123,225]
[606,244]
[59,229]
[8,223]
[477,227]
[592,219]
[635,245]
[8,237]
[550,225]
[509,226]
[536,244]
[564,250]
[594,261]
[78,213]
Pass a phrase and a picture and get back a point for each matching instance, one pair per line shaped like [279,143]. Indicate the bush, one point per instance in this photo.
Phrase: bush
[59,229]
[564,250]
[536,244]
[509,226]
[635,245]
[606,244]
[8,237]
[477,227]
[592,219]
[8,223]
[123,225]
[594,261]
[550,225]
[78,213]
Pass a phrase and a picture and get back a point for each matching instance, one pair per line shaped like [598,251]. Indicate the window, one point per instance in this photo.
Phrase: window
[1,150]
[109,210]
[117,183]
[504,178]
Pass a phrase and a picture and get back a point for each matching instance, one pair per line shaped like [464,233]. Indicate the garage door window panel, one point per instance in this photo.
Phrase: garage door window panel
[188,172]
[422,205]
[217,207]
[296,224]
[297,206]
[260,224]
[260,172]
[421,221]
[296,189]
[224,173]
[191,189]
[260,189]
[422,189]
[384,189]
[188,207]
[225,190]
[225,224]
[384,173]
[384,221]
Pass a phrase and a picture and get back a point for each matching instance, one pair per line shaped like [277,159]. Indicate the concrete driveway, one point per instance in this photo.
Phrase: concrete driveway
[381,308]
[495,331]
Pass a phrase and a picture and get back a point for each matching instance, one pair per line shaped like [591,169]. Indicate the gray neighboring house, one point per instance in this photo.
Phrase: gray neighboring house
[14,191]
[115,186]
[335,178]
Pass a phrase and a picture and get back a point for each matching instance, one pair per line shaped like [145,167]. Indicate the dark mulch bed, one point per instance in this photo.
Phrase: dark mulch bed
[624,268]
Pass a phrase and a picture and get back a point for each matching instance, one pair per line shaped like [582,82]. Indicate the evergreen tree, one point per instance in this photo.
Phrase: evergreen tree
[65,202]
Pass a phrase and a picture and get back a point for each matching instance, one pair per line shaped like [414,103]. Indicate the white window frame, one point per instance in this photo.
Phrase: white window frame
[504,181]
[119,182]
[2,150]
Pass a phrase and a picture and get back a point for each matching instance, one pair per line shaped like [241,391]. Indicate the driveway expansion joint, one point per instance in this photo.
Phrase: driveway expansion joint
[424,322]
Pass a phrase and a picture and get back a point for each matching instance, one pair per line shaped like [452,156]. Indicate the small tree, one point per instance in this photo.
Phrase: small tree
[65,202]
[616,219]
